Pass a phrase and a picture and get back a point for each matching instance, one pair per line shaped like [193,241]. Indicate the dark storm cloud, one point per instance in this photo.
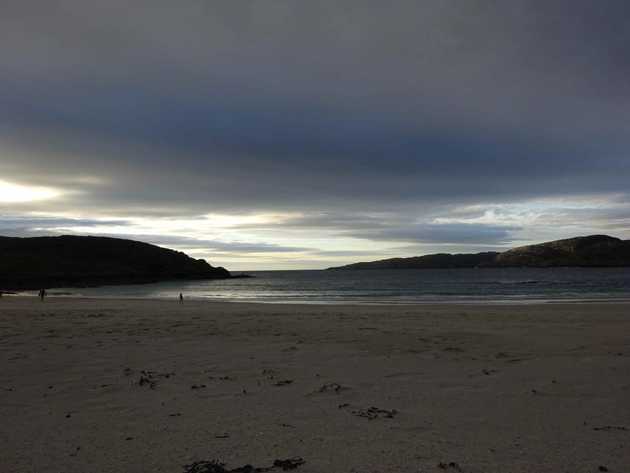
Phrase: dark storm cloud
[365,106]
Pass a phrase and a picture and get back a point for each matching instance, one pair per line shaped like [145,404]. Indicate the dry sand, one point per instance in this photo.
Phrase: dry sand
[532,388]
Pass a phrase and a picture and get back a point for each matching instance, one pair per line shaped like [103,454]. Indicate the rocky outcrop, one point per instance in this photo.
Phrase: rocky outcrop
[79,261]
[588,251]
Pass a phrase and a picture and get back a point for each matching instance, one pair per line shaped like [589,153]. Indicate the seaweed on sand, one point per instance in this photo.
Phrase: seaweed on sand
[216,466]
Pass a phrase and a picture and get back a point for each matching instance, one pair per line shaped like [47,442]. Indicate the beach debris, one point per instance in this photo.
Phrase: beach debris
[332,388]
[222,378]
[516,360]
[602,468]
[372,413]
[150,378]
[488,372]
[269,373]
[284,382]
[449,466]
[198,386]
[216,466]
[289,464]
[222,436]
[344,405]
[206,467]
[609,428]
[147,380]
[454,349]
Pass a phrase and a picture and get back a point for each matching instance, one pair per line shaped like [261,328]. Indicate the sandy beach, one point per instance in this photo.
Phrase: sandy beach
[151,386]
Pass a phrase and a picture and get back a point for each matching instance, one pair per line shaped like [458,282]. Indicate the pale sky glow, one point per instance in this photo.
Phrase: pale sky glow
[313,134]
[16,193]
[284,241]
[229,240]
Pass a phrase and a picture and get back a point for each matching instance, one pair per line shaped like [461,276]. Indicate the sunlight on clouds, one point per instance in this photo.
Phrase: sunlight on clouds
[512,216]
[227,221]
[531,212]
[239,242]
[200,227]
[16,193]
[546,219]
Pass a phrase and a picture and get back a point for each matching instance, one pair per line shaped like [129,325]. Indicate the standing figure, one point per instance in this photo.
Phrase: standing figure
[181,298]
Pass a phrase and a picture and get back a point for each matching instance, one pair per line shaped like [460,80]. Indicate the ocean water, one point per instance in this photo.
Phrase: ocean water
[400,286]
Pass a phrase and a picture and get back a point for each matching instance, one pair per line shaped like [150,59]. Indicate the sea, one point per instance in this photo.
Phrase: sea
[390,286]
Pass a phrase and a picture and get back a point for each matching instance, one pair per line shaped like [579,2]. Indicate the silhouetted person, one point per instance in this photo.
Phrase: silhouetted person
[42,294]
[181,298]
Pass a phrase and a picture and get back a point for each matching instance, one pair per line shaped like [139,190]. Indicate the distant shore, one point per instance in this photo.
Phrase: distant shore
[154,385]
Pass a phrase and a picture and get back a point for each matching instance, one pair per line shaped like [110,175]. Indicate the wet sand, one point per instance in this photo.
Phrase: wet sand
[152,386]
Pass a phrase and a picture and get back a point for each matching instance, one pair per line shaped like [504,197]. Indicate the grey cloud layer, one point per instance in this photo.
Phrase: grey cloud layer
[192,107]
[394,227]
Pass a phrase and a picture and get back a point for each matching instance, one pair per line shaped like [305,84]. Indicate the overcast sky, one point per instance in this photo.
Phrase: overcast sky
[285,134]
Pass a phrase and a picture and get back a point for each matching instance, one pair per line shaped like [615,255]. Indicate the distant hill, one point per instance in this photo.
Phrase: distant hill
[587,251]
[79,261]
[440,260]
[594,250]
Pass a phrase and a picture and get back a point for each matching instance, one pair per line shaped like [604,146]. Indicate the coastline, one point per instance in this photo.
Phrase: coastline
[151,385]
[505,302]
[387,287]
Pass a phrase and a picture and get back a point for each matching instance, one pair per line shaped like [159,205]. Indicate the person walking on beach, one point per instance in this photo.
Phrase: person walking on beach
[181,298]
[42,294]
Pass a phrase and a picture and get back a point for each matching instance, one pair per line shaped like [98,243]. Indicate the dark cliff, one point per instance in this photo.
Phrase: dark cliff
[76,261]
[594,250]
[588,251]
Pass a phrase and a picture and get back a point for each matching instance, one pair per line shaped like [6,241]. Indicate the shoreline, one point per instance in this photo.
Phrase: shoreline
[465,302]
